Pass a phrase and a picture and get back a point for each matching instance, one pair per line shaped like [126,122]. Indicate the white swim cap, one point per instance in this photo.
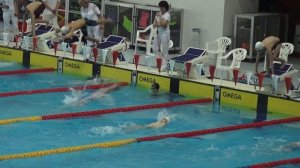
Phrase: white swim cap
[168,119]
[259,46]
[65,29]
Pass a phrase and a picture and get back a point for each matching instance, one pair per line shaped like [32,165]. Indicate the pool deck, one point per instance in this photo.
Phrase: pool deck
[221,91]
[154,70]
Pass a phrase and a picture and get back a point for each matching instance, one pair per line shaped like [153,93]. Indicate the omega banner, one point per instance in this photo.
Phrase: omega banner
[146,80]
[238,98]
[12,55]
[77,67]
[42,60]
[115,73]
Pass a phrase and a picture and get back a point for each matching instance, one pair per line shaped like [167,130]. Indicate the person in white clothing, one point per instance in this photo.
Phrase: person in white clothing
[10,13]
[91,13]
[50,12]
[161,42]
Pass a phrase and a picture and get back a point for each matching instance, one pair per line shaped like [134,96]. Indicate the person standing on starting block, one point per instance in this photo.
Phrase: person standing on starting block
[10,13]
[270,47]
[162,40]
[50,12]
[91,13]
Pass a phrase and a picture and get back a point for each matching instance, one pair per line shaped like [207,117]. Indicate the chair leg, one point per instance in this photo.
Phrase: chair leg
[104,54]
[148,49]
[172,64]
[221,77]
[148,62]
[135,48]
[199,69]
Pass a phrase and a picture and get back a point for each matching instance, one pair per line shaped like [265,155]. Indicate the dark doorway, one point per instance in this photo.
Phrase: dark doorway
[290,7]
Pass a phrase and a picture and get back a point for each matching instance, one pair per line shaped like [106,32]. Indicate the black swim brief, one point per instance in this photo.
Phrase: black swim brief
[91,22]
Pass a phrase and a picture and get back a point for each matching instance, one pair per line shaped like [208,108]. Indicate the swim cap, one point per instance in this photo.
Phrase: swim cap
[168,119]
[65,29]
[155,86]
[259,46]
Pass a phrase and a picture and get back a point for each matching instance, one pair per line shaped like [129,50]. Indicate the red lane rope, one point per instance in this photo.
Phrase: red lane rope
[220,129]
[276,163]
[63,89]
[26,71]
[124,109]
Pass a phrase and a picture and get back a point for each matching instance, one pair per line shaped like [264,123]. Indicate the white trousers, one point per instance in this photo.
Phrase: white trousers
[8,15]
[93,31]
[161,47]
[52,19]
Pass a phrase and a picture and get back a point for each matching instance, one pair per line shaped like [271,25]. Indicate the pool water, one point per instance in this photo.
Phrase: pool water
[229,149]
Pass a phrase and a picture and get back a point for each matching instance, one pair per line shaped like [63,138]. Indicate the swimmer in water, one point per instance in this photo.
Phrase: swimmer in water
[99,93]
[158,124]
[290,147]
[154,125]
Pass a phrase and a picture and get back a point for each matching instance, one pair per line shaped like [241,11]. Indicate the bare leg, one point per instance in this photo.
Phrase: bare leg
[276,56]
[269,62]
[283,62]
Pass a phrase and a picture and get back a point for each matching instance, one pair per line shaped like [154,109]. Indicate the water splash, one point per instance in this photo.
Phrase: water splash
[106,130]
[74,98]
[164,113]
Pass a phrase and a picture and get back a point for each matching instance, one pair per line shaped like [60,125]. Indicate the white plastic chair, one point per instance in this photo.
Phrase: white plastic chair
[148,40]
[218,46]
[150,57]
[238,54]
[285,50]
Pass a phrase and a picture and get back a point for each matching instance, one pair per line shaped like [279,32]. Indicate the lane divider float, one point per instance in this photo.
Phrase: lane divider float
[159,137]
[62,89]
[67,149]
[26,71]
[275,163]
[105,111]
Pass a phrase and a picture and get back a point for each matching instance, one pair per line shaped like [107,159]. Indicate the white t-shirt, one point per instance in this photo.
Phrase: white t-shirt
[52,4]
[9,3]
[91,12]
[162,30]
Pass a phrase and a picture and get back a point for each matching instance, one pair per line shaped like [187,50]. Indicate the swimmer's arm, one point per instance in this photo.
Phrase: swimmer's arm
[256,62]
[154,125]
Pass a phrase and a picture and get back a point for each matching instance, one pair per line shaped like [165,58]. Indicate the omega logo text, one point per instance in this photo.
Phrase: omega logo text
[232,95]
[72,65]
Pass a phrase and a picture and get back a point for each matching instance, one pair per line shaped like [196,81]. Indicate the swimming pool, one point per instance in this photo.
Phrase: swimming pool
[229,149]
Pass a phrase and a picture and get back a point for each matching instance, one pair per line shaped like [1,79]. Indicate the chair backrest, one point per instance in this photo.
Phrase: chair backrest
[153,31]
[285,50]
[171,43]
[150,28]
[223,42]
[218,46]
[239,54]
[144,19]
